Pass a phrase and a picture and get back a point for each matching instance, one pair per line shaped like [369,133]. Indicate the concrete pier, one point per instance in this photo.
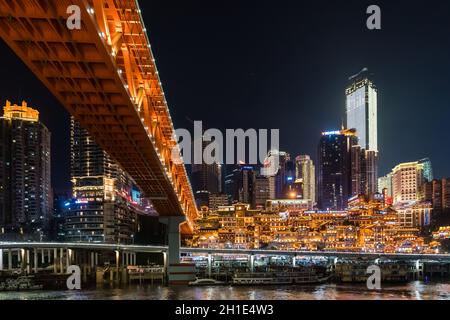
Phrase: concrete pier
[177,273]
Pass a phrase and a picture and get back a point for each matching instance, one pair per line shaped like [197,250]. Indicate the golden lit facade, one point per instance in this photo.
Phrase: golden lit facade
[22,112]
[368,226]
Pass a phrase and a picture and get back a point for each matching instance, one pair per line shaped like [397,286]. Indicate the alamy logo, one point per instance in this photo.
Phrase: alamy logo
[74,280]
[374,20]
[374,280]
[211,147]
[74,20]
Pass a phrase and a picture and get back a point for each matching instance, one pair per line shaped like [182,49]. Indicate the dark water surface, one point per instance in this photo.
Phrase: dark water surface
[410,291]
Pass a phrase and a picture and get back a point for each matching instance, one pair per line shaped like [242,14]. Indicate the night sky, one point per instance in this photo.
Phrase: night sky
[285,64]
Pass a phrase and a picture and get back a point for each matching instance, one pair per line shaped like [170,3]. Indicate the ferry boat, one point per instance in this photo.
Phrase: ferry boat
[20,284]
[206,282]
[279,278]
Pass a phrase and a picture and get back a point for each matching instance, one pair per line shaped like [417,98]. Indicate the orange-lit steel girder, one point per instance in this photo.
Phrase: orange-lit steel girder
[105,75]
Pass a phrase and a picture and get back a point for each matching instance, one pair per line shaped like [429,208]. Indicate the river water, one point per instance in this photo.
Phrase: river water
[410,291]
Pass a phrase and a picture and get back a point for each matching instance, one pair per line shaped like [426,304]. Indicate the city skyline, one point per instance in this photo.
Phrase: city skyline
[351,186]
[311,89]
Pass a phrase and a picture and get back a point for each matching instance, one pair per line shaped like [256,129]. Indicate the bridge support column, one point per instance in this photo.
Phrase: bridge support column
[68,254]
[55,258]
[1,259]
[178,273]
[165,262]
[35,260]
[294,261]
[209,265]
[61,262]
[251,262]
[10,264]
[28,263]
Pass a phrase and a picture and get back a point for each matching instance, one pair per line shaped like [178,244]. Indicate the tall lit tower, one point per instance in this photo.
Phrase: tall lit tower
[335,174]
[106,200]
[306,173]
[361,108]
[25,186]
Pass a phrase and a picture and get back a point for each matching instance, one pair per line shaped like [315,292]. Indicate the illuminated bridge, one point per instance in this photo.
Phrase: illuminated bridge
[105,75]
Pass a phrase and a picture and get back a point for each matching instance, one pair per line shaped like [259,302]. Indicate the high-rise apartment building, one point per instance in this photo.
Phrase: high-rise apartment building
[305,173]
[334,185]
[407,182]
[25,180]
[106,200]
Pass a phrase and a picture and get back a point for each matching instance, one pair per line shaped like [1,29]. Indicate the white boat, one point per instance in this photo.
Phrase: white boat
[284,278]
[206,282]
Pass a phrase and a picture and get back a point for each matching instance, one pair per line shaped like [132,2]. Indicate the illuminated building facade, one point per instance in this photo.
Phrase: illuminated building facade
[217,200]
[25,180]
[367,226]
[416,215]
[361,115]
[407,181]
[361,108]
[105,199]
[334,185]
[305,173]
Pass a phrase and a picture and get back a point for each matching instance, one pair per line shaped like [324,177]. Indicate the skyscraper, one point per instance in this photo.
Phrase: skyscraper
[232,179]
[361,111]
[361,108]
[106,200]
[207,177]
[25,185]
[240,185]
[305,172]
[364,172]
[247,186]
[334,185]
[284,175]
[262,191]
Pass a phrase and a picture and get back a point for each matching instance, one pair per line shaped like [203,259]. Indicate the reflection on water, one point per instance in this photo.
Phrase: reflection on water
[414,290]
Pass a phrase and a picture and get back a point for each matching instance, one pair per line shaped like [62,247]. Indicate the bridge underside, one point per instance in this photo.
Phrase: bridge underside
[105,75]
